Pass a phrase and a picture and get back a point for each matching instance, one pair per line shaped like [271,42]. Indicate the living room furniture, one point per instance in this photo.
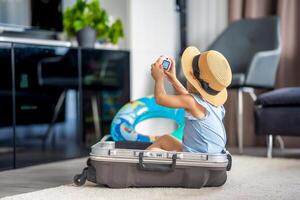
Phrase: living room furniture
[278,113]
[40,82]
[252,47]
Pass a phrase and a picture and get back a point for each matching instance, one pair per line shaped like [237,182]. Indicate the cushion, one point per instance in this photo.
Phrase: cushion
[277,121]
[284,97]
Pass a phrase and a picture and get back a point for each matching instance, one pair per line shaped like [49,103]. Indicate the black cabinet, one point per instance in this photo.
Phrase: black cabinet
[35,99]
[55,101]
[42,96]
[6,108]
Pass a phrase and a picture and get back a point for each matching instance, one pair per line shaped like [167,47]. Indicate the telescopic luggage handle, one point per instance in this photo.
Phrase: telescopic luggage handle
[156,167]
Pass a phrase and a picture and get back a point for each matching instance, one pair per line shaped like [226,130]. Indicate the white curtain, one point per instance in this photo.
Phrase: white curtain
[206,19]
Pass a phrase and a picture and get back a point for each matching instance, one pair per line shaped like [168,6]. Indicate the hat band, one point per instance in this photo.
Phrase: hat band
[203,83]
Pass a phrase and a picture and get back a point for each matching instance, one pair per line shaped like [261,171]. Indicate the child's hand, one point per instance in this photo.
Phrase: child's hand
[171,74]
[157,71]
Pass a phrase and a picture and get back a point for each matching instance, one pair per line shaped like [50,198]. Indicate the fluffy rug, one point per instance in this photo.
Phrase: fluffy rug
[250,178]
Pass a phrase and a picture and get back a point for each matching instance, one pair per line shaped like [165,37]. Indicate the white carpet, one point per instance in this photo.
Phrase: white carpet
[250,178]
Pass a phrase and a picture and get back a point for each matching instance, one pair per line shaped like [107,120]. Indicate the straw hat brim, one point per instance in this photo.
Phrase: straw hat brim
[186,62]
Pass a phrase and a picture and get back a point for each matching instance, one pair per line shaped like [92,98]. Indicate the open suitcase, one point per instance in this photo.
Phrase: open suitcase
[127,164]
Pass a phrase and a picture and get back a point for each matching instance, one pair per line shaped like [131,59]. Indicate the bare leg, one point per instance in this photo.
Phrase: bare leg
[155,149]
[167,143]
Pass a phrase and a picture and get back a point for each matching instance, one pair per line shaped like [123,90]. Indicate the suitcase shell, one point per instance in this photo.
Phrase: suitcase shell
[121,165]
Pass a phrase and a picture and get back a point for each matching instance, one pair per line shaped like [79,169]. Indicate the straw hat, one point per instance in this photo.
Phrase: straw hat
[209,72]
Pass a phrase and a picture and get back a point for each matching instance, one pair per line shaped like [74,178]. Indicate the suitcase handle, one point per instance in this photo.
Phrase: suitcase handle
[156,167]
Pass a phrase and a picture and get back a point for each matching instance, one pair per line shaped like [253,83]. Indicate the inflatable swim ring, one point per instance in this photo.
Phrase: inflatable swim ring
[132,113]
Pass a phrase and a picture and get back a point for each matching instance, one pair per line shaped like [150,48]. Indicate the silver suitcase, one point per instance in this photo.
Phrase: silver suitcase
[127,164]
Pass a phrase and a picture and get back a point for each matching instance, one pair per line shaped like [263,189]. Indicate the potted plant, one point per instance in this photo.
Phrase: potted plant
[88,21]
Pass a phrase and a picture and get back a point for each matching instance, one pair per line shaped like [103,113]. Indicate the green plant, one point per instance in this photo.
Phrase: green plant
[90,14]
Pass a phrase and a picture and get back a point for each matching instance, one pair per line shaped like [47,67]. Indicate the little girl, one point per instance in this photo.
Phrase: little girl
[208,75]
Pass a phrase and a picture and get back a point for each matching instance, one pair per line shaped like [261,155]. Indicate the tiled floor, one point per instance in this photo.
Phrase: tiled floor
[59,173]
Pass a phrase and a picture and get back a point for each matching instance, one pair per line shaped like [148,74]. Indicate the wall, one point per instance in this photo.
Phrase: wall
[153,32]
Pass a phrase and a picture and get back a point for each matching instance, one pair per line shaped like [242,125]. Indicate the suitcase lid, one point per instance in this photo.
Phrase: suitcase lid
[106,151]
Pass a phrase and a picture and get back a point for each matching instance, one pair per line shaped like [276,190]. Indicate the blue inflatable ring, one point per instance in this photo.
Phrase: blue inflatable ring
[132,113]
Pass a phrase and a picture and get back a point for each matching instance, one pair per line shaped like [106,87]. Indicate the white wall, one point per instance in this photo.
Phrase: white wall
[153,32]
[206,20]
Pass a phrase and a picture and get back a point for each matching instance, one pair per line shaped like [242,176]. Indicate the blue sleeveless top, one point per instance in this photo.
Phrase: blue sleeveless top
[205,135]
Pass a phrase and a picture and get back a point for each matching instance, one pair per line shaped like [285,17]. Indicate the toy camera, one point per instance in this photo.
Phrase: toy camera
[166,63]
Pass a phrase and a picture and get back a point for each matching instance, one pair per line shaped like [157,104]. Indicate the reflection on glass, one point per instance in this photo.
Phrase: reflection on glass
[47,100]
[105,77]
[46,110]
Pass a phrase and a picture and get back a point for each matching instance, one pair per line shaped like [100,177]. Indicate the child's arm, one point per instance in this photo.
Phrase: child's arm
[172,101]
[179,88]
[185,101]
[171,75]
[162,98]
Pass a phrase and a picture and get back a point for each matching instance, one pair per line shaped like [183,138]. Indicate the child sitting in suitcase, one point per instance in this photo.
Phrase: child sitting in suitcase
[208,74]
